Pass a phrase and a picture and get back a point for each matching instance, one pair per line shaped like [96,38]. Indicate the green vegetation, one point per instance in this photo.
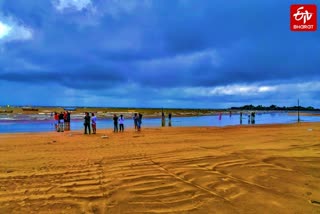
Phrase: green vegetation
[275,108]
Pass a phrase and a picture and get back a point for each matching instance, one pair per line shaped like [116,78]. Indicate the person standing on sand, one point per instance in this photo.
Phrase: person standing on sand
[65,116]
[68,120]
[56,120]
[87,124]
[115,123]
[135,120]
[65,121]
[253,115]
[61,122]
[94,123]
[121,123]
[163,119]
[139,121]
[170,115]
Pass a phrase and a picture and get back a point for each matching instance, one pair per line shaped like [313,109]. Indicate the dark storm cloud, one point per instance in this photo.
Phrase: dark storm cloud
[157,46]
[81,78]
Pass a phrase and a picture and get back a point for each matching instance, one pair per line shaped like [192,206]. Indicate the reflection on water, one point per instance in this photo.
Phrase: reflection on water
[76,124]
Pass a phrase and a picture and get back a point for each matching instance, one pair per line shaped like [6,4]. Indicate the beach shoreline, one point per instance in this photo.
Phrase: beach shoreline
[131,129]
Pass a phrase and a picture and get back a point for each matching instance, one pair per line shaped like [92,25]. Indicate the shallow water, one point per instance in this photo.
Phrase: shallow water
[11,125]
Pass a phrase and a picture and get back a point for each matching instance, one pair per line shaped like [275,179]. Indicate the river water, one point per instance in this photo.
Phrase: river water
[12,125]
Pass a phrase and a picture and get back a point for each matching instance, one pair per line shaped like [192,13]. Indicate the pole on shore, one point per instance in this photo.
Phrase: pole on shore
[298,111]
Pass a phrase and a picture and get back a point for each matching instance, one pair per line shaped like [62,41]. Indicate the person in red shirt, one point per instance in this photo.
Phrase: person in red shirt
[56,120]
[65,118]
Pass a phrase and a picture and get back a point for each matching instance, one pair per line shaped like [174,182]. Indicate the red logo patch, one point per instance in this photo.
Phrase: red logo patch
[303,17]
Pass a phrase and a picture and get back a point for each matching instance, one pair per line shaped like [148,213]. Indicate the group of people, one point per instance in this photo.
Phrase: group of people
[251,117]
[62,121]
[163,120]
[137,119]
[118,123]
[87,120]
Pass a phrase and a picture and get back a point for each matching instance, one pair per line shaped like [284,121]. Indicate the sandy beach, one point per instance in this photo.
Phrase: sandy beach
[251,169]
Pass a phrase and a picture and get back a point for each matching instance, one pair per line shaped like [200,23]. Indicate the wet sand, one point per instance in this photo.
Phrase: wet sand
[250,169]
[304,114]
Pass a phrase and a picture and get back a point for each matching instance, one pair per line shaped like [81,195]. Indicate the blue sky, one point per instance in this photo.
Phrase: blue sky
[156,53]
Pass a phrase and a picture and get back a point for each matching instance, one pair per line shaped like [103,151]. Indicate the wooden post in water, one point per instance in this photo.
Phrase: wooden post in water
[298,111]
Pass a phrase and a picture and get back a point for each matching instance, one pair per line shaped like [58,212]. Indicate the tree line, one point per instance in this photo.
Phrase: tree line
[275,108]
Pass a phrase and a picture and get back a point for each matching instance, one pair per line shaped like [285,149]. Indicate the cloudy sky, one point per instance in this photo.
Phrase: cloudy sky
[156,53]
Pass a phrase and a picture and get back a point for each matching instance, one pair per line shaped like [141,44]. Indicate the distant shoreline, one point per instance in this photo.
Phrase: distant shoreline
[49,109]
[44,114]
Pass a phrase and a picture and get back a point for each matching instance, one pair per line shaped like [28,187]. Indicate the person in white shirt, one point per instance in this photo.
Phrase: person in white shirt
[121,123]
[94,123]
